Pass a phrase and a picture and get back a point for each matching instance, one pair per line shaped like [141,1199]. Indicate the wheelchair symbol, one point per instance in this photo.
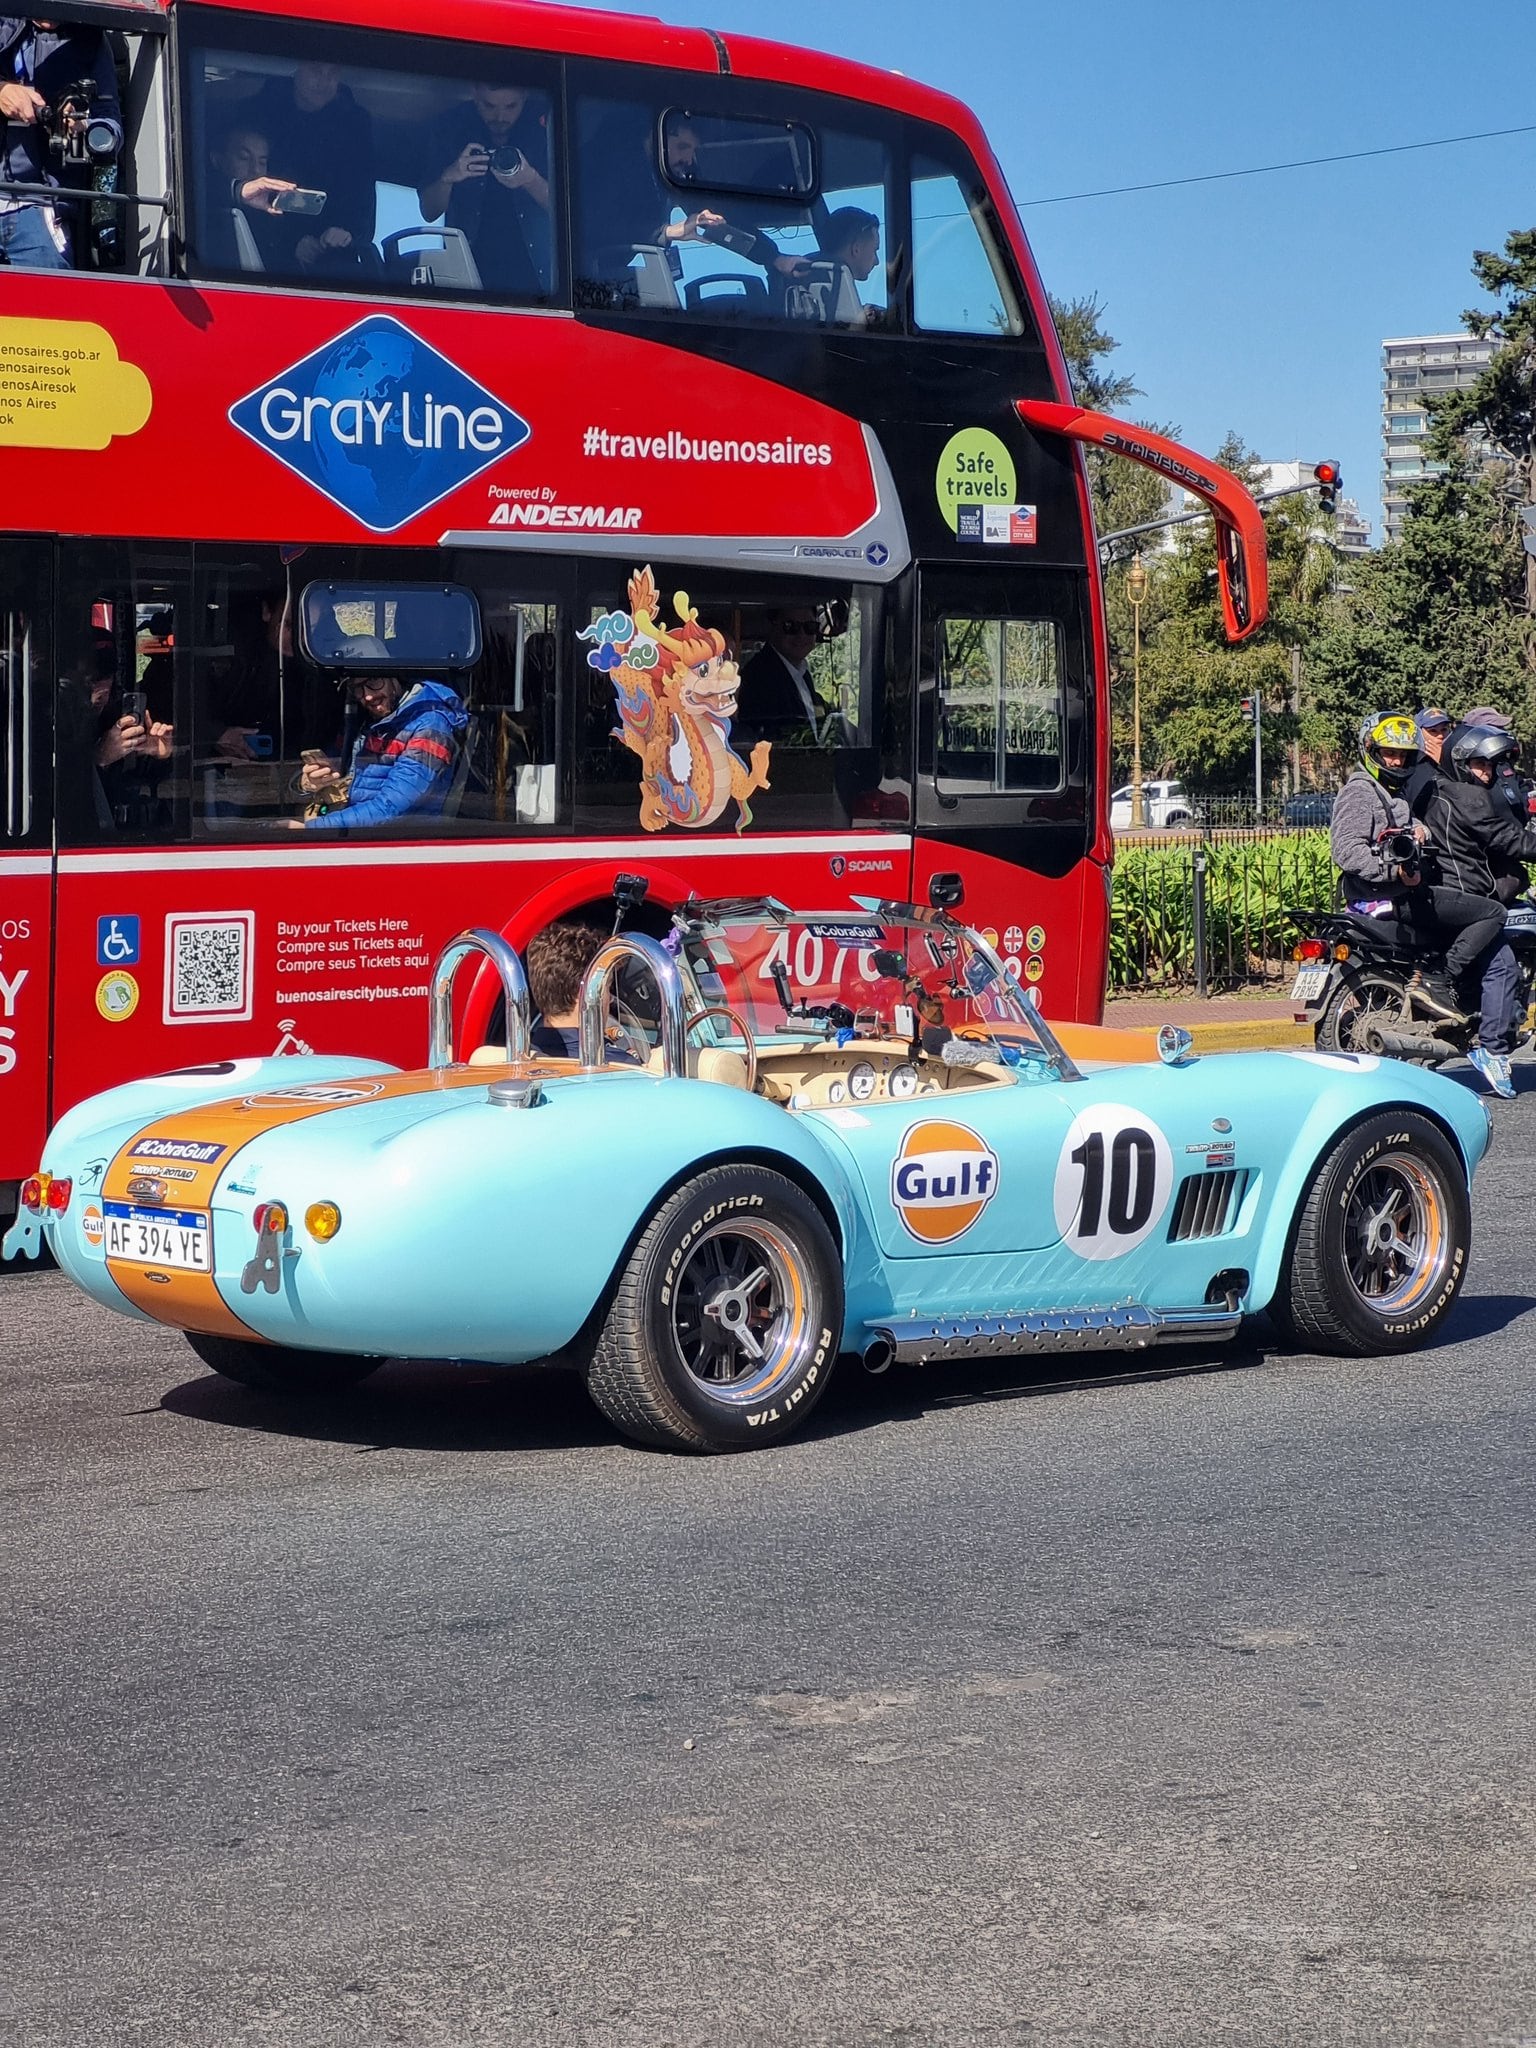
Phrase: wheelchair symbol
[117,941]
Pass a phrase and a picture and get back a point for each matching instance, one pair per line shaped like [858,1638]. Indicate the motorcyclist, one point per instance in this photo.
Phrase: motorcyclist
[1380,880]
[1481,847]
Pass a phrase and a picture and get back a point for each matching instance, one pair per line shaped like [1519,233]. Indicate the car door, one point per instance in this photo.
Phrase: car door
[959,1171]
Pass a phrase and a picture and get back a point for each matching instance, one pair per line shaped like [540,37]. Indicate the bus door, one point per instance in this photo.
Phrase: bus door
[26,853]
[1004,754]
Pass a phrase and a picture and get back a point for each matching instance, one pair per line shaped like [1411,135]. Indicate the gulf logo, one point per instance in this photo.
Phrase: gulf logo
[941,1180]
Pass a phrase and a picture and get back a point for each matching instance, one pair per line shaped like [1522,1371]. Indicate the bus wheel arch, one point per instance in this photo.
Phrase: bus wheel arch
[584,889]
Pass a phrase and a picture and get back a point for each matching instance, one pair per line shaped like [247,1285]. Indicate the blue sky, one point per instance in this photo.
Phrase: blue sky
[1261,303]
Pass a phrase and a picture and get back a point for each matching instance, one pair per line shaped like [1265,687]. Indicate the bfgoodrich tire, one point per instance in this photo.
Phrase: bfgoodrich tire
[1380,1247]
[278,1368]
[724,1327]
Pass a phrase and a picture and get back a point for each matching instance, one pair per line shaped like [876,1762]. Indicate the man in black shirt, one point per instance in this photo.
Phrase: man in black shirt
[492,153]
[322,140]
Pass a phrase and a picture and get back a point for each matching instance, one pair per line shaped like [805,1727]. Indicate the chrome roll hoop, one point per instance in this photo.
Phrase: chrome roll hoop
[668,977]
[514,983]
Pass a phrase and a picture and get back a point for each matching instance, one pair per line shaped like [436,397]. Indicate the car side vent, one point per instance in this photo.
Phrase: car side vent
[1208,1204]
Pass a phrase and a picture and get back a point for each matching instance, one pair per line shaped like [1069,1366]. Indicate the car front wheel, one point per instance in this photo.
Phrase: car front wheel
[725,1324]
[280,1368]
[1380,1247]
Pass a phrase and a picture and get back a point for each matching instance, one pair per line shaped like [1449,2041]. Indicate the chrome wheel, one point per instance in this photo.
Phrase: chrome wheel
[740,1311]
[1396,1246]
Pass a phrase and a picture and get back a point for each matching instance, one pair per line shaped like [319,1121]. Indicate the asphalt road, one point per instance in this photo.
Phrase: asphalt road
[1187,1707]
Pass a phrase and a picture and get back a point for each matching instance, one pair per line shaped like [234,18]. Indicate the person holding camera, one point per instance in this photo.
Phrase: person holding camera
[58,96]
[493,150]
[1377,845]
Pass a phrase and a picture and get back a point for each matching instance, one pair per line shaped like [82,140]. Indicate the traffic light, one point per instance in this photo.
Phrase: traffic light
[1330,482]
[1249,706]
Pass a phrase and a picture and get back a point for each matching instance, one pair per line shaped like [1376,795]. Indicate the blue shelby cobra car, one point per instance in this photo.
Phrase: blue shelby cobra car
[786,1138]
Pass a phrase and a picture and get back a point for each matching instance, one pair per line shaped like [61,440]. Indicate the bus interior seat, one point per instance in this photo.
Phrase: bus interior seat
[827,294]
[653,278]
[749,293]
[245,242]
[468,740]
[439,257]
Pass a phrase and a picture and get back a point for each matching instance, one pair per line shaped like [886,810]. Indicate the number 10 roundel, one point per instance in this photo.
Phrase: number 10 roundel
[1113,1181]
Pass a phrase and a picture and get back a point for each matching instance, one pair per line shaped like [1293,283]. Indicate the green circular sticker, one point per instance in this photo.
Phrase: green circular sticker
[975,469]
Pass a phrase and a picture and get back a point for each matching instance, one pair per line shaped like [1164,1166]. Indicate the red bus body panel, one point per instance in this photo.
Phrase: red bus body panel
[26,923]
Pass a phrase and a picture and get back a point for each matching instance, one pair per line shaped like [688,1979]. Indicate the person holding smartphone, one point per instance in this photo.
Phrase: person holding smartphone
[493,182]
[321,140]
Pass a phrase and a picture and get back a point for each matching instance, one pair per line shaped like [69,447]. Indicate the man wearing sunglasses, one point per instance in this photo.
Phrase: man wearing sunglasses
[400,766]
[778,695]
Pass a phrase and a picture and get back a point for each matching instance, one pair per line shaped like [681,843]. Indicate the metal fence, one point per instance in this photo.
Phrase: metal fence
[1212,910]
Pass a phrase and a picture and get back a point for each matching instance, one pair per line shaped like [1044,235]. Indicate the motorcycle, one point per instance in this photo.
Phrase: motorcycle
[1355,976]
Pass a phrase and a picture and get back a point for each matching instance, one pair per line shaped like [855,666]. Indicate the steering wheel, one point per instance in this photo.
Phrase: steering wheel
[739,1021]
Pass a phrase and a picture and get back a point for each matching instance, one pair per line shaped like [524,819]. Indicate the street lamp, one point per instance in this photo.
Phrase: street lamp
[1136,580]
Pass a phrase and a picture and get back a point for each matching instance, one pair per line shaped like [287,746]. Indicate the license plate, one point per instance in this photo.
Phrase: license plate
[158,1237]
[1309,984]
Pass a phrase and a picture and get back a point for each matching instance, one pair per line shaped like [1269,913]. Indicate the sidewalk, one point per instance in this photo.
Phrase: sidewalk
[1221,1023]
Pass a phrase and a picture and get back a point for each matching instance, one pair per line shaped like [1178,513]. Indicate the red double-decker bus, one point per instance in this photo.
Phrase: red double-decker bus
[674,423]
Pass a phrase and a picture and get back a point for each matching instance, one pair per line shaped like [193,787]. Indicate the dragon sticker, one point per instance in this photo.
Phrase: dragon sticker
[676,695]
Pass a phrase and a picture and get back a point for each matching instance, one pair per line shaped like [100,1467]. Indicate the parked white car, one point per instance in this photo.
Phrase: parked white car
[1167,806]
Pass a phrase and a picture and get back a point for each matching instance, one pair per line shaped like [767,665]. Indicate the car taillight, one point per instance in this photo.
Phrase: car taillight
[271,1216]
[34,1193]
[58,1195]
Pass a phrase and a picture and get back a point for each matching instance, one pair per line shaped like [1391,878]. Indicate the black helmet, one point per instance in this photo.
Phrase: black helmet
[1477,743]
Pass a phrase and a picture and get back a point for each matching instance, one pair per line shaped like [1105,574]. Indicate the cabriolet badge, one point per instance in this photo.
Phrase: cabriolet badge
[941,1180]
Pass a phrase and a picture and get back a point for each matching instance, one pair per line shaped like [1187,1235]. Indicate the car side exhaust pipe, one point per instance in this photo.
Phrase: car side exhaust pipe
[879,1354]
[1406,1045]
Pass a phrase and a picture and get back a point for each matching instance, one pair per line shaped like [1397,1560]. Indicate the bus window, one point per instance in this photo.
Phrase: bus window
[288,735]
[960,282]
[311,163]
[741,216]
[726,704]
[999,709]
[121,762]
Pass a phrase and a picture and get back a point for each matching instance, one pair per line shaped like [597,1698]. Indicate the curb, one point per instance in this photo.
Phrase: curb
[1254,1034]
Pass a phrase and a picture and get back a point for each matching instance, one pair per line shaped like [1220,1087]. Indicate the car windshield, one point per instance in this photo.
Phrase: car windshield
[885,971]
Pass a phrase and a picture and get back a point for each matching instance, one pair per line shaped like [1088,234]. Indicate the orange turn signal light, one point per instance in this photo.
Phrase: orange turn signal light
[322,1220]
[1341,952]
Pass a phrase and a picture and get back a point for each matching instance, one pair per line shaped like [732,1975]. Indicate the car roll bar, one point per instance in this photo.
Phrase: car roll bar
[593,1001]
[514,983]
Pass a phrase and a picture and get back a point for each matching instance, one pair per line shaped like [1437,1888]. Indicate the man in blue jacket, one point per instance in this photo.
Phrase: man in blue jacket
[402,764]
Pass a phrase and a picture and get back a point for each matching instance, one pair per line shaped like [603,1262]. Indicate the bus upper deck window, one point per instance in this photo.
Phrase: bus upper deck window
[960,283]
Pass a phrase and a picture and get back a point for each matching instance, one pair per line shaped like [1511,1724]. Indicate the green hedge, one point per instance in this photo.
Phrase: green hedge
[1252,883]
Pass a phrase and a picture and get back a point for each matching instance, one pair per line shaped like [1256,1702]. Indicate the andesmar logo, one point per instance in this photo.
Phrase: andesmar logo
[941,1180]
[380,422]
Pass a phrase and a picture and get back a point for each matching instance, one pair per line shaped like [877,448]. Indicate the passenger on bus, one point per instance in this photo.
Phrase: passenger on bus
[402,765]
[240,158]
[321,141]
[40,64]
[778,693]
[493,149]
[116,743]
[630,205]
[850,240]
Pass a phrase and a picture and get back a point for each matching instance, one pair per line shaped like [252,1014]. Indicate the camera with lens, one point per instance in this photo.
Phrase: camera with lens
[78,133]
[508,158]
[1400,848]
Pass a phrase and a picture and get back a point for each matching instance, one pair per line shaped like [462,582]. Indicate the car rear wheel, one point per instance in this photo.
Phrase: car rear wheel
[1380,1247]
[724,1327]
[279,1368]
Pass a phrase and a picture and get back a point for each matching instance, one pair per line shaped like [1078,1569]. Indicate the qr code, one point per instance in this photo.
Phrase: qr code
[208,967]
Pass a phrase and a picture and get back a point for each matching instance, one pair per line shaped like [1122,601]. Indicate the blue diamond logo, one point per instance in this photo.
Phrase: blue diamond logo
[380,423]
